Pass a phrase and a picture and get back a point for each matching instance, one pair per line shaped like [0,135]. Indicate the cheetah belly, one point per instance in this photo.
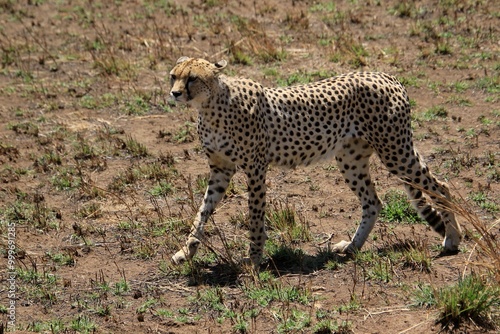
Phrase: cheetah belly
[300,139]
[300,151]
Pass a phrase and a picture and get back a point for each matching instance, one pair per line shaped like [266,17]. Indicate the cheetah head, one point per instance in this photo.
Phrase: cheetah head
[193,80]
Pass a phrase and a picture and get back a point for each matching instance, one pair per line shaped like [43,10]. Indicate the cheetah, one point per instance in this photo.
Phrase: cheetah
[244,125]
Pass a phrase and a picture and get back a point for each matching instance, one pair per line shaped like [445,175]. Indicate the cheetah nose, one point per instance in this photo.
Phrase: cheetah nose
[176,94]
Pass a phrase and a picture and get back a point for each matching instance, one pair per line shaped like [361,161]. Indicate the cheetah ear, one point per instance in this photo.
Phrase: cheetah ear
[220,64]
[182,59]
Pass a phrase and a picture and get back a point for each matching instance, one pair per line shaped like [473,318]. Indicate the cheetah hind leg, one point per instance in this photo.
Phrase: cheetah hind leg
[443,222]
[355,169]
[419,180]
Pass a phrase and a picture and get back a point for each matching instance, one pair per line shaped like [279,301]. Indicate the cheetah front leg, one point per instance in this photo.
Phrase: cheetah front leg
[220,176]
[355,169]
[257,207]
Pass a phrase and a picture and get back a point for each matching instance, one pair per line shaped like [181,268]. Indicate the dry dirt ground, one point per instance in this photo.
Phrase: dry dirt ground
[101,175]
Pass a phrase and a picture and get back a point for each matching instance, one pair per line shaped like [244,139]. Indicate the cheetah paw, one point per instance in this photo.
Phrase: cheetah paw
[450,246]
[344,247]
[180,257]
[250,263]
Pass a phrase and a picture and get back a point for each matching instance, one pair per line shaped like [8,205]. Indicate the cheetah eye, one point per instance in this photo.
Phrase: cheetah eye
[192,79]
[173,77]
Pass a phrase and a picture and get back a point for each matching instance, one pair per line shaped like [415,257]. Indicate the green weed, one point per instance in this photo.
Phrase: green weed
[409,81]
[210,299]
[403,9]
[66,178]
[241,325]
[147,305]
[282,219]
[443,47]
[432,114]
[489,84]
[375,266]
[164,313]
[460,86]
[358,55]
[135,148]
[163,188]
[84,150]
[89,102]
[103,311]
[83,324]
[398,209]
[417,258]
[240,57]
[121,287]
[294,79]
[25,128]
[328,7]
[332,265]
[272,289]
[35,214]
[124,179]
[137,106]
[459,100]
[146,250]
[481,199]
[302,77]
[332,326]
[185,134]
[90,210]
[156,171]
[353,304]
[53,326]
[63,259]
[201,183]
[424,296]
[471,299]
[294,320]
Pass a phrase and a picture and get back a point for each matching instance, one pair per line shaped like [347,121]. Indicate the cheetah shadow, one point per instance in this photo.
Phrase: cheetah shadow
[284,260]
[408,245]
[288,260]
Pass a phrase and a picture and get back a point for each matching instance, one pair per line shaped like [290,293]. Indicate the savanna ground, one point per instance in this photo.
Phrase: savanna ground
[101,175]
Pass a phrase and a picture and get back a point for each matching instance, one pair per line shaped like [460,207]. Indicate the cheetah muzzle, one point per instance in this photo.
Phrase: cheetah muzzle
[245,125]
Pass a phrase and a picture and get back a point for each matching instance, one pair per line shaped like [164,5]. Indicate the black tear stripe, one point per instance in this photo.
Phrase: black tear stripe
[188,92]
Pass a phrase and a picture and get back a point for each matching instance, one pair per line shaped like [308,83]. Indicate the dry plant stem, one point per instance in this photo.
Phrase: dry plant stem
[487,243]
[223,51]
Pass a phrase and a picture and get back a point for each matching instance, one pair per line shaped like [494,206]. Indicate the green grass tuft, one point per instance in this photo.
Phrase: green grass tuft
[397,209]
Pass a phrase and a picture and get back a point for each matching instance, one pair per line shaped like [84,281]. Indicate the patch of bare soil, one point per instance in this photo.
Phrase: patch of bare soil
[101,175]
